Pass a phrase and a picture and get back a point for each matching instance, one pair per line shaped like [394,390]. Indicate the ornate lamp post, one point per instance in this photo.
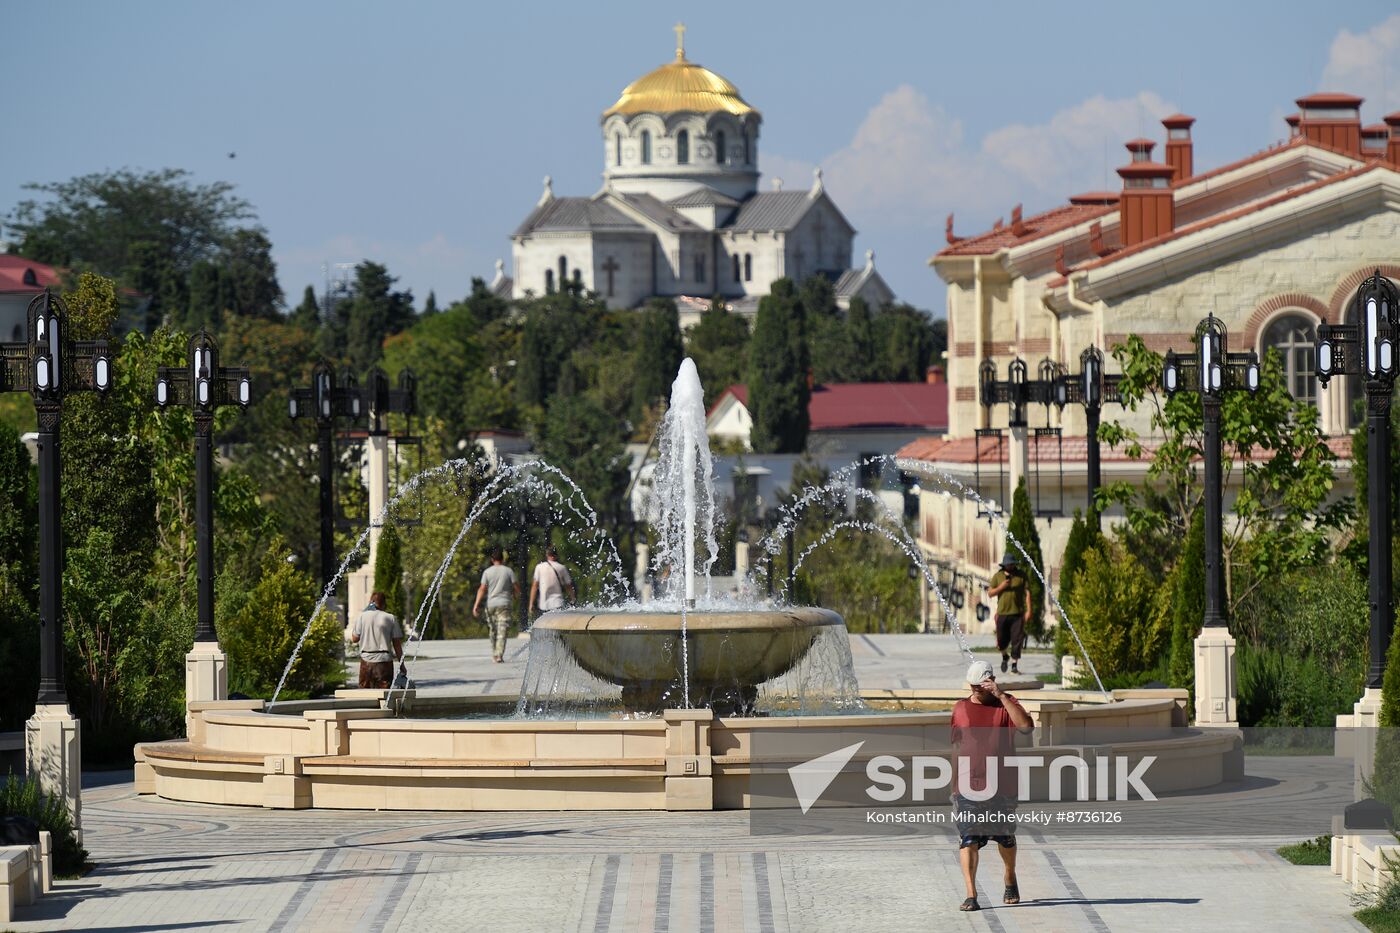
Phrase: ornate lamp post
[204,386]
[49,365]
[1017,391]
[1210,371]
[1090,387]
[325,401]
[1368,349]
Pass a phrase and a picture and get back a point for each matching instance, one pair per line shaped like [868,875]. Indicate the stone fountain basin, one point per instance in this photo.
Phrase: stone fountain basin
[628,648]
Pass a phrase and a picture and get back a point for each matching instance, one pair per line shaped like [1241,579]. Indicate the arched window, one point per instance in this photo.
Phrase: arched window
[549,281]
[563,270]
[720,152]
[748,267]
[617,145]
[699,267]
[646,147]
[736,267]
[683,147]
[578,277]
[1293,336]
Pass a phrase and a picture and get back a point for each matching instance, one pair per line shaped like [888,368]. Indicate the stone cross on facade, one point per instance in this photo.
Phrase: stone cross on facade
[610,267]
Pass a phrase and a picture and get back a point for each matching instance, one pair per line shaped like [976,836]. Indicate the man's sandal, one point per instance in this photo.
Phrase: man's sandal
[1012,894]
[970,904]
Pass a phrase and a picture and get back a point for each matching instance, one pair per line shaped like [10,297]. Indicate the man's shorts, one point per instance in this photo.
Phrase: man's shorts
[980,821]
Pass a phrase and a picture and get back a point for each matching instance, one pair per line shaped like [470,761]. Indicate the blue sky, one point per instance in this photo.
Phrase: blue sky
[416,134]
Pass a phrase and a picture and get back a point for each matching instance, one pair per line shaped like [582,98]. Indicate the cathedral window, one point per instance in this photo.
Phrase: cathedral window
[617,144]
[578,277]
[720,154]
[1292,337]
[683,147]
[699,267]
[646,147]
[748,267]
[563,271]
[735,257]
[549,281]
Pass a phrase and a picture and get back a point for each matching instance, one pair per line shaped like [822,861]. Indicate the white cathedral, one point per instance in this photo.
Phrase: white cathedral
[680,214]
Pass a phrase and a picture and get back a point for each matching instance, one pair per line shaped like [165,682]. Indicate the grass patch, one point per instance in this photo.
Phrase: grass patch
[1284,751]
[1379,919]
[1048,678]
[1311,852]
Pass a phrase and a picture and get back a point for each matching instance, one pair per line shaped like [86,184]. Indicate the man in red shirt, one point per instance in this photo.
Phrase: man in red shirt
[982,734]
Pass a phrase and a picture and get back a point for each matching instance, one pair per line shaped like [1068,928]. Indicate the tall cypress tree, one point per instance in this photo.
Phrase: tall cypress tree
[1188,604]
[430,305]
[388,571]
[777,373]
[658,354]
[860,343]
[307,315]
[1022,527]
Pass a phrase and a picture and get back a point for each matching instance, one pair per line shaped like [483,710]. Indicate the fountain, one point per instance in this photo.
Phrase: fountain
[689,702]
[685,650]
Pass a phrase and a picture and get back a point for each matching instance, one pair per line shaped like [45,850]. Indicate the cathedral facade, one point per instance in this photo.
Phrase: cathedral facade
[680,214]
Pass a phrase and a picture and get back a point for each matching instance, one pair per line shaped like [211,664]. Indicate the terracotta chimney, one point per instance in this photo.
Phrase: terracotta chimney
[1018,229]
[1373,140]
[1096,239]
[1179,154]
[1147,209]
[1292,121]
[1392,149]
[1332,120]
[934,376]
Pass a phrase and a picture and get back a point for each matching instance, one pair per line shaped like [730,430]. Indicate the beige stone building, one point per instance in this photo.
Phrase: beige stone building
[1272,244]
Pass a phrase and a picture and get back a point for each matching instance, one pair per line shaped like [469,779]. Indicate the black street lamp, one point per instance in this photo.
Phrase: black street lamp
[1210,371]
[205,387]
[1367,349]
[49,365]
[1090,387]
[1018,391]
[325,401]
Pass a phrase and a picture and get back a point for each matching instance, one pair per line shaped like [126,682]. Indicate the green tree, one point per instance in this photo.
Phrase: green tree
[586,441]
[19,636]
[658,354]
[307,315]
[1358,549]
[860,362]
[251,275]
[1082,536]
[388,571]
[1116,613]
[1281,519]
[209,297]
[374,313]
[906,342]
[778,372]
[1188,582]
[429,306]
[1022,527]
[719,344]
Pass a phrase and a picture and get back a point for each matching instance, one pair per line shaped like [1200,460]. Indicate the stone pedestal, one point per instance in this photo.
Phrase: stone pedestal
[206,673]
[1365,721]
[690,781]
[1215,678]
[53,757]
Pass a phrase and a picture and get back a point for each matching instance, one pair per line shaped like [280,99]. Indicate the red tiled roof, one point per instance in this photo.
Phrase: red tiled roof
[1327,99]
[1033,228]
[1223,217]
[1075,450]
[851,405]
[13,268]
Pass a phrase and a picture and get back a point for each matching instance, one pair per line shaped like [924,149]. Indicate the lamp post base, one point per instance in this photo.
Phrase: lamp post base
[53,757]
[1215,678]
[206,673]
[1365,721]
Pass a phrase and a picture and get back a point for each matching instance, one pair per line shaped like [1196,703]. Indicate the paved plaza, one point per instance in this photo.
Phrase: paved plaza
[172,866]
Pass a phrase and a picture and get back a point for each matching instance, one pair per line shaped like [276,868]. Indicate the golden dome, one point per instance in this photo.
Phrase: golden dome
[680,85]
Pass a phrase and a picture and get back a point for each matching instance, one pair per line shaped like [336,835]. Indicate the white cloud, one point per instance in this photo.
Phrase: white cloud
[1360,63]
[910,163]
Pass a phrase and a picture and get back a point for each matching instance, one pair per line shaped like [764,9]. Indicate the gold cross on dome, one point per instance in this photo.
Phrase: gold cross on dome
[680,41]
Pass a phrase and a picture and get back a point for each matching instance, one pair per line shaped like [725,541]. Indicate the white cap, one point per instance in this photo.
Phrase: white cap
[978,671]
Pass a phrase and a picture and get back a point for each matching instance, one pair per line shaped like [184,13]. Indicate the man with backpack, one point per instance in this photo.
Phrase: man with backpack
[550,582]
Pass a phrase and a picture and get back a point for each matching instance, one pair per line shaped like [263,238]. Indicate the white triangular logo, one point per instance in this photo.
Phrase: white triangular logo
[811,778]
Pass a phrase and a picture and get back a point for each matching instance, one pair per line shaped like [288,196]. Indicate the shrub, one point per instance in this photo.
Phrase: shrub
[1082,536]
[1022,527]
[20,796]
[1188,582]
[388,571]
[261,635]
[1113,604]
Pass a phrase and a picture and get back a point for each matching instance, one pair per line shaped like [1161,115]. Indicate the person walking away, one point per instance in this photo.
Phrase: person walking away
[380,638]
[1013,598]
[550,582]
[499,586]
[982,733]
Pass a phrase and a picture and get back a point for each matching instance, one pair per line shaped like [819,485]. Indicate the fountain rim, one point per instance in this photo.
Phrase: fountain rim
[697,621]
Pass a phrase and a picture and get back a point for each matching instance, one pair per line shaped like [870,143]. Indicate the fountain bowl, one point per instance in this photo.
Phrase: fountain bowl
[729,652]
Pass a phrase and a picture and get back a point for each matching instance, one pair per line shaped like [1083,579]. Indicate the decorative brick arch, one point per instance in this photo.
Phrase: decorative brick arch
[1270,306]
[1352,282]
